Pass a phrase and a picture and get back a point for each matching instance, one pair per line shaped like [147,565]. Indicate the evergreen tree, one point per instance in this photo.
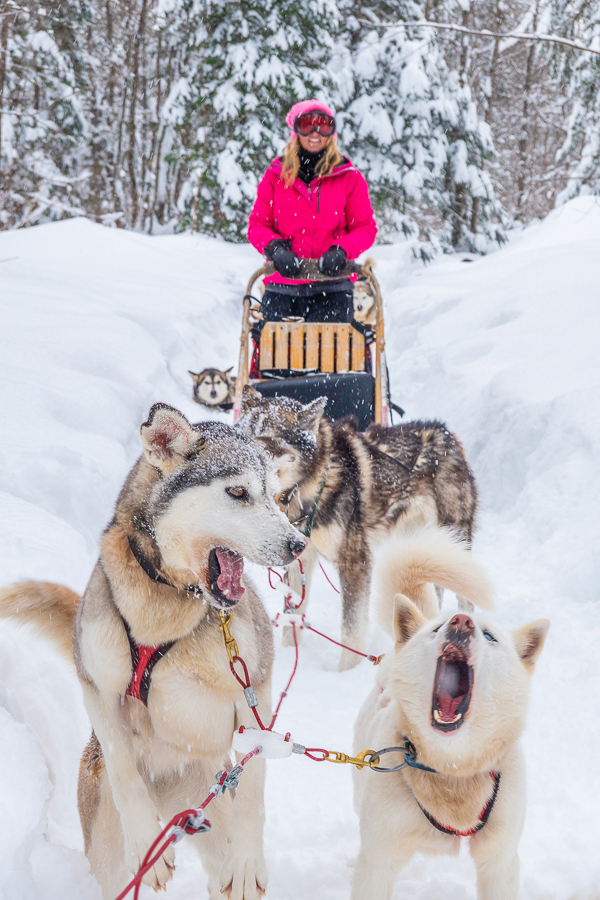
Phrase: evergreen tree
[42,116]
[580,72]
[411,126]
[252,62]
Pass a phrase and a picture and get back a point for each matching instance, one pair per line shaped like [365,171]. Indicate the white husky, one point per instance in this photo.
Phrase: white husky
[453,695]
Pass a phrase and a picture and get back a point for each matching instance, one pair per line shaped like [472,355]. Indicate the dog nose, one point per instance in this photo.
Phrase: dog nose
[462,626]
[297,545]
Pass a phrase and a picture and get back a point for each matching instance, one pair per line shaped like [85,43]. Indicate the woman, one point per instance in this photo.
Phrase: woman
[313,204]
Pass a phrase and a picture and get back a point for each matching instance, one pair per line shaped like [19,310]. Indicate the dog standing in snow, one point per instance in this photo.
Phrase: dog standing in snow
[151,658]
[347,491]
[454,692]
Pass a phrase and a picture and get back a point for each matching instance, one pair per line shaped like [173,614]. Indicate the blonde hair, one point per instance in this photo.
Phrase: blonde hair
[291,161]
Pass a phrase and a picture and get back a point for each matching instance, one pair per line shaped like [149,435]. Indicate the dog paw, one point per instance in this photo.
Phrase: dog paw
[244,879]
[162,870]
[348,660]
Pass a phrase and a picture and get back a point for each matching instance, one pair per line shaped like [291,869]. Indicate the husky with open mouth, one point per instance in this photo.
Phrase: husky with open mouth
[151,658]
[451,700]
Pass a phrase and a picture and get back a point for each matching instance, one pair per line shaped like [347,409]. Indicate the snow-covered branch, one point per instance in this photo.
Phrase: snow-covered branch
[484,32]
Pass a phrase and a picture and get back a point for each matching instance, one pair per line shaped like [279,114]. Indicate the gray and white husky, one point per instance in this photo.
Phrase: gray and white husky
[348,491]
[197,502]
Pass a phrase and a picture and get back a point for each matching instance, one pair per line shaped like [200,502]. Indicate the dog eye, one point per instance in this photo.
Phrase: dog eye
[489,637]
[435,630]
[239,493]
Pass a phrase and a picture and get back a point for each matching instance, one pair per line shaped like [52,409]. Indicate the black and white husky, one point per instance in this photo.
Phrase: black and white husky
[214,388]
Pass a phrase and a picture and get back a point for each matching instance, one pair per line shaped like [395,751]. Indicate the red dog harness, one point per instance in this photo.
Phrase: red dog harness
[483,815]
[143,660]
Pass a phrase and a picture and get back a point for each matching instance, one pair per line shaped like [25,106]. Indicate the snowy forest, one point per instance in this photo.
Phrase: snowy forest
[161,115]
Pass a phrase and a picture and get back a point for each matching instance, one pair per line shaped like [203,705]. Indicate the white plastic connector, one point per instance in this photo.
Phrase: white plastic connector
[272,744]
[287,618]
[290,595]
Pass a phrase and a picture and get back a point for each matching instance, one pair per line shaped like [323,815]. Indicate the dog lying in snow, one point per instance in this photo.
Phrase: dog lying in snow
[214,388]
[455,686]
[198,500]
[348,491]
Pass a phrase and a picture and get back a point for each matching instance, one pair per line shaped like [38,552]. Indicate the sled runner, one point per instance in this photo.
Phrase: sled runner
[305,360]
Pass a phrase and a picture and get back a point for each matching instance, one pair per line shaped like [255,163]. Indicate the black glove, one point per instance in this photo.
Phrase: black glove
[285,261]
[333,261]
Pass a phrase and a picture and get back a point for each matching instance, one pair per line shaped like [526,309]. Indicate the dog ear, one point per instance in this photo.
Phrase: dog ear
[227,371]
[529,641]
[167,437]
[310,415]
[407,619]
[250,397]
[195,376]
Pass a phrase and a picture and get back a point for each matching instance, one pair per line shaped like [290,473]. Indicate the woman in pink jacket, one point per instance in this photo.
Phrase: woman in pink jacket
[312,203]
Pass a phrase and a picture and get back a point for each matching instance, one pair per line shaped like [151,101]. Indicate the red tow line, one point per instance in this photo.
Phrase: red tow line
[251,699]
[293,608]
[190,821]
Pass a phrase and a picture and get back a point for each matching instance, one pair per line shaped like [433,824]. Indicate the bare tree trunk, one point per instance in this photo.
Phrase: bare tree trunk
[125,80]
[4,26]
[525,124]
[112,72]
[135,87]
[491,88]
[460,192]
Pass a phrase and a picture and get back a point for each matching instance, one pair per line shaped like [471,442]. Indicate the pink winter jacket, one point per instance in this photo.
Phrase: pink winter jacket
[334,209]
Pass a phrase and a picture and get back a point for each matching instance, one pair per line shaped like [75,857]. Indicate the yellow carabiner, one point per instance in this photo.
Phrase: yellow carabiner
[358,761]
[230,644]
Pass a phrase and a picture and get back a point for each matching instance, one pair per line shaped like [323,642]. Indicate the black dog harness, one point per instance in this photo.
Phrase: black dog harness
[483,815]
[143,657]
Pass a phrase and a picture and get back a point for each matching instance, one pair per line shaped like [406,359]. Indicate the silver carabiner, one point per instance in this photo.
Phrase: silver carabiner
[392,768]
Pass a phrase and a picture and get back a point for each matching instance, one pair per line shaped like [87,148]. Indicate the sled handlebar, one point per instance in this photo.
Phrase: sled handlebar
[309,271]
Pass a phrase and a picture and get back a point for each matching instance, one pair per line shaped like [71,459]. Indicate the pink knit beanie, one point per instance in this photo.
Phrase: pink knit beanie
[306,106]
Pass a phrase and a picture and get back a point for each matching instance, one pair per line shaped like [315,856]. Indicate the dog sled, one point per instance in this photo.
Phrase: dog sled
[304,360]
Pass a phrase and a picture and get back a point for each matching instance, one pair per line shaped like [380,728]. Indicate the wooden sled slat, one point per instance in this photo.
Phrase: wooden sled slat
[342,354]
[266,345]
[312,331]
[297,347]
[281,345]
[327,348]
[358,351]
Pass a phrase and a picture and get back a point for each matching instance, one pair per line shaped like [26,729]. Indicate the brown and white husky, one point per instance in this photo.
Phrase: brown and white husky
[197,502]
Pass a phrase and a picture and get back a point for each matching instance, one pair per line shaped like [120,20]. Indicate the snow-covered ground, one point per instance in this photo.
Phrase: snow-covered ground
[98,324]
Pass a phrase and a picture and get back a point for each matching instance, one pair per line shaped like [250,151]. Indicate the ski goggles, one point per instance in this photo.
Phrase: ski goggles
[314,121]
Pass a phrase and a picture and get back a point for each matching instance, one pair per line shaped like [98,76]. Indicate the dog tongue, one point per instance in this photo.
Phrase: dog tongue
[232,566]
[448,705]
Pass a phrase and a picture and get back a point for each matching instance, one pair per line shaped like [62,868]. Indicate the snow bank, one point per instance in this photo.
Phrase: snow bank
[100,323]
